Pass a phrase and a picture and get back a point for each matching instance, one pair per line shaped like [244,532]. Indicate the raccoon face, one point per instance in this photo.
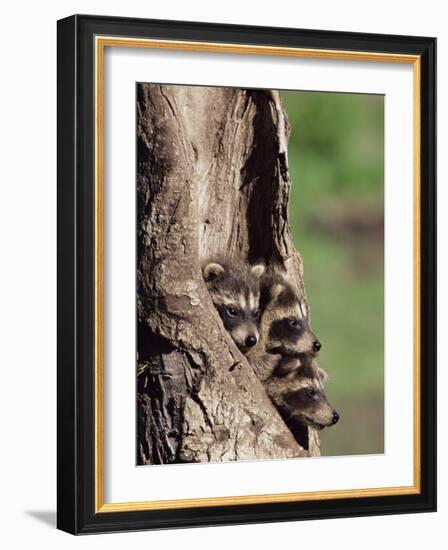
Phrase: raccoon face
[302,399]
[240,321]
[292,335]
[289,332]
[235,293]
[309,405]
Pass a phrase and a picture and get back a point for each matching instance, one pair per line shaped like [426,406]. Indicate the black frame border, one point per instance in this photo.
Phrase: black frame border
[76,262]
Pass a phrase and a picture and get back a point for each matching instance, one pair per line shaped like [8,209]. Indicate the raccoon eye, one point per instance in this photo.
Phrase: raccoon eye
[257,314]
[310,392]
[232,311]
[293,322]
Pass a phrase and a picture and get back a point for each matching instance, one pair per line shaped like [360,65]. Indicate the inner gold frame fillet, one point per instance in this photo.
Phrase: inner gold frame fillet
[101,42]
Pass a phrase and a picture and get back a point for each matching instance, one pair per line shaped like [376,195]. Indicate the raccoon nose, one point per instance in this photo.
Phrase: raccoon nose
[335,417]
[251,341]
[316,345]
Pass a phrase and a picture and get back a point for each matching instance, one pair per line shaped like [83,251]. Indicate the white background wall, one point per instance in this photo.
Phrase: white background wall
[28,270]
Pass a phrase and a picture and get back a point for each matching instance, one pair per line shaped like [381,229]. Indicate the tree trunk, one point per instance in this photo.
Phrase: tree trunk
[212,179]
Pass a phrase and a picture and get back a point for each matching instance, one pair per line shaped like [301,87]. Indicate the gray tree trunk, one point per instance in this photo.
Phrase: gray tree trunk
[212,178]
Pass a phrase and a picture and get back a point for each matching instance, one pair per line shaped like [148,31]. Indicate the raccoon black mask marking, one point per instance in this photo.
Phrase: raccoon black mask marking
[235,291]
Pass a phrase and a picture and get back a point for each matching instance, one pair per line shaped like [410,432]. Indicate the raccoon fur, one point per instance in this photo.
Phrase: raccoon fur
[264,363]
[286,339]
[285,319]
[300,398]
[234,287]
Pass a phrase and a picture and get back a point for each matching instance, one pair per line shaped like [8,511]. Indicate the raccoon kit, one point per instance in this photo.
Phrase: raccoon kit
[301,400]
[285,319]
[234,287]
[285,334]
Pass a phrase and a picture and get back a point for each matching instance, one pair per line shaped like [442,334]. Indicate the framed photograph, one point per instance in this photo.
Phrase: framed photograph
[246,274]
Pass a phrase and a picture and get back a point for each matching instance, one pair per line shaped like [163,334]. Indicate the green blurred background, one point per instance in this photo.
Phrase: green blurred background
[336,156]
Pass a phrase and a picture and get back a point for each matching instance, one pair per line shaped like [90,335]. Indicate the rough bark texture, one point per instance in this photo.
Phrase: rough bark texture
[212,179]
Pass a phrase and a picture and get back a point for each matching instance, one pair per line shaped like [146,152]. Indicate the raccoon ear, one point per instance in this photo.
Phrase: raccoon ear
[289,367]
[212,271]
[276,290]
[322,374]
[258,270]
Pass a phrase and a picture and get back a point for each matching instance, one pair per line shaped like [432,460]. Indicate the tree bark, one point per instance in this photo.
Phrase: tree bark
[212,179]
